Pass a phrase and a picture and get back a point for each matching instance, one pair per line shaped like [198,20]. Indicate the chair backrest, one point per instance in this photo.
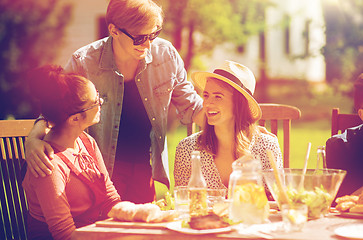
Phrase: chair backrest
[340,121]
[13,204]
[272,114]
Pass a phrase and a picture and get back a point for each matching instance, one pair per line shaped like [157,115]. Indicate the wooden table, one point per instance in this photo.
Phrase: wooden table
[320,229]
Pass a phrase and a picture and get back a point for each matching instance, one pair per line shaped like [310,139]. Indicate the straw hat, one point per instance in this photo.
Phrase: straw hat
[239,77]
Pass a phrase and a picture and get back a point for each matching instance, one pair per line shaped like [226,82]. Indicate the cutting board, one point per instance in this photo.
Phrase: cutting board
[110,222]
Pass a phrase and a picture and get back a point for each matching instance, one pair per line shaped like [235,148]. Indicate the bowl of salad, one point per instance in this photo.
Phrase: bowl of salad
[316,188]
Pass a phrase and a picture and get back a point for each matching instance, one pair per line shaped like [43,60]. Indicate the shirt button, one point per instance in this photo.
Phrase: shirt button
[145,99]
[115,126]
[138,79]
[168,89]
[118,104]
[153,119]
[160,137]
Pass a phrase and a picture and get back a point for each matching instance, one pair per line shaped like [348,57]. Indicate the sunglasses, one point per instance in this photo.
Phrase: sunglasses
[99,102]
[140,39]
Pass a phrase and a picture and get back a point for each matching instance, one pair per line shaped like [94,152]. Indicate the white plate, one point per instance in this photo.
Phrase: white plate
[353,231]
[177,226]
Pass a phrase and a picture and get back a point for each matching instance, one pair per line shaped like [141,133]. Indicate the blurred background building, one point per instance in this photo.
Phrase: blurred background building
[290,48]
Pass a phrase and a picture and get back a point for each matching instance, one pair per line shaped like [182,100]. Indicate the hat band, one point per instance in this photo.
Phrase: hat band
[232,78]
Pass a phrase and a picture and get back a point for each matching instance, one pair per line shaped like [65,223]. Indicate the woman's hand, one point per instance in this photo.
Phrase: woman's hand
[38,154]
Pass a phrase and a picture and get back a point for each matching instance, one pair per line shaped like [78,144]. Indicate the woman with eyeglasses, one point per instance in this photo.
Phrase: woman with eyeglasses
[139,75]
[79,190]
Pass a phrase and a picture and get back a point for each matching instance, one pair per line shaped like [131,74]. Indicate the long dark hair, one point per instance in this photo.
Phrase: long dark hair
[244,127]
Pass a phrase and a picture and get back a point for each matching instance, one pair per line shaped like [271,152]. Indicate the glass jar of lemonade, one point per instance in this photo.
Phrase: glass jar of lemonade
[246,193]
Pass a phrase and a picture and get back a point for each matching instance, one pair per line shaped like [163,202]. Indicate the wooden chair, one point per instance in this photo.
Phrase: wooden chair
[272,113]
[13,205]
[340,121]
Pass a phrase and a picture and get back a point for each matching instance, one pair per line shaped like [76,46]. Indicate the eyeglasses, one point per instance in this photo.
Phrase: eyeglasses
[99,102]
[140,39]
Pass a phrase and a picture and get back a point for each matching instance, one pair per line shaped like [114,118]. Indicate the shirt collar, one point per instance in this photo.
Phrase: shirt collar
[149,56]
[107,61]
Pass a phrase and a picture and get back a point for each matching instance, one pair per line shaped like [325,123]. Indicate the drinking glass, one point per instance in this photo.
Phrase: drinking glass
[294,216]
[215,196]
[181,201]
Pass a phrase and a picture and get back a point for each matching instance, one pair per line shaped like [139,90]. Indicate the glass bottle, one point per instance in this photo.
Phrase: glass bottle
[246,193]
[321,157]
[197,188]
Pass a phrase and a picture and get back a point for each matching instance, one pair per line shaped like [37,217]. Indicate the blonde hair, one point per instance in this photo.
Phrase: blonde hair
[134,15]
[244,127]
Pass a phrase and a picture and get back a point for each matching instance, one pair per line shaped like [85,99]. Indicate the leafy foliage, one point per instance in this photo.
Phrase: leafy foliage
[344,43]
[30,35]
[197,26]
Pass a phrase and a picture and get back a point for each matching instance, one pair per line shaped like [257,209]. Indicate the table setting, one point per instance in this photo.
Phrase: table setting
[301,209]
[331,226]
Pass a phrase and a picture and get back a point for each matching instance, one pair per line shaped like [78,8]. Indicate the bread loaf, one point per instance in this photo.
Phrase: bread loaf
[124,211]
[344,206]
[148,212]
[347,198]
[358,208]
[350,203]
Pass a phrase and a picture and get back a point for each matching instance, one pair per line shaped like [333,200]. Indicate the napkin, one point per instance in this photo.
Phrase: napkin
[258,230]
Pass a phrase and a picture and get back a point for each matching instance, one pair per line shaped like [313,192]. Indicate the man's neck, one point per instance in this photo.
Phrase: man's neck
[126,64]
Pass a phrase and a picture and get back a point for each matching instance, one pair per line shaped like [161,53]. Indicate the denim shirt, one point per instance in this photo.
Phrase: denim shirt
[161,79]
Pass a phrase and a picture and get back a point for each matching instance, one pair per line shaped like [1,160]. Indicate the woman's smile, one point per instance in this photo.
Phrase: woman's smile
[212,113]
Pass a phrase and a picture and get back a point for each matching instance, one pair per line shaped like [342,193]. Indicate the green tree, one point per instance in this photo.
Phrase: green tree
[343,51]
[197,26]
[30,35]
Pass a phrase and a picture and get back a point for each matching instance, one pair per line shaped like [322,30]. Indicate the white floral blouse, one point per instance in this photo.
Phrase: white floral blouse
[182,166]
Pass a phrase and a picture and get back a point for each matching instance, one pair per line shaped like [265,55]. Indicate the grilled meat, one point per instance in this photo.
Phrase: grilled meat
[210,221]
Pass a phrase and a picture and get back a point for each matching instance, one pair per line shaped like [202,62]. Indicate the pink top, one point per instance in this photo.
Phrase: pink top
[61,198]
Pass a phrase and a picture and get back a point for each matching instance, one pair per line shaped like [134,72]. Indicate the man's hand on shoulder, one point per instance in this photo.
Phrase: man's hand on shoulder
[38,155]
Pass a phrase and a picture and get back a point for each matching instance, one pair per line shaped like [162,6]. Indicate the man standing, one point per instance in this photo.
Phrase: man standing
[138,75]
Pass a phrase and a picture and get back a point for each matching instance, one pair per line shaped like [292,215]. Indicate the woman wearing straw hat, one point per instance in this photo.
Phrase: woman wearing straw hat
[230,130]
